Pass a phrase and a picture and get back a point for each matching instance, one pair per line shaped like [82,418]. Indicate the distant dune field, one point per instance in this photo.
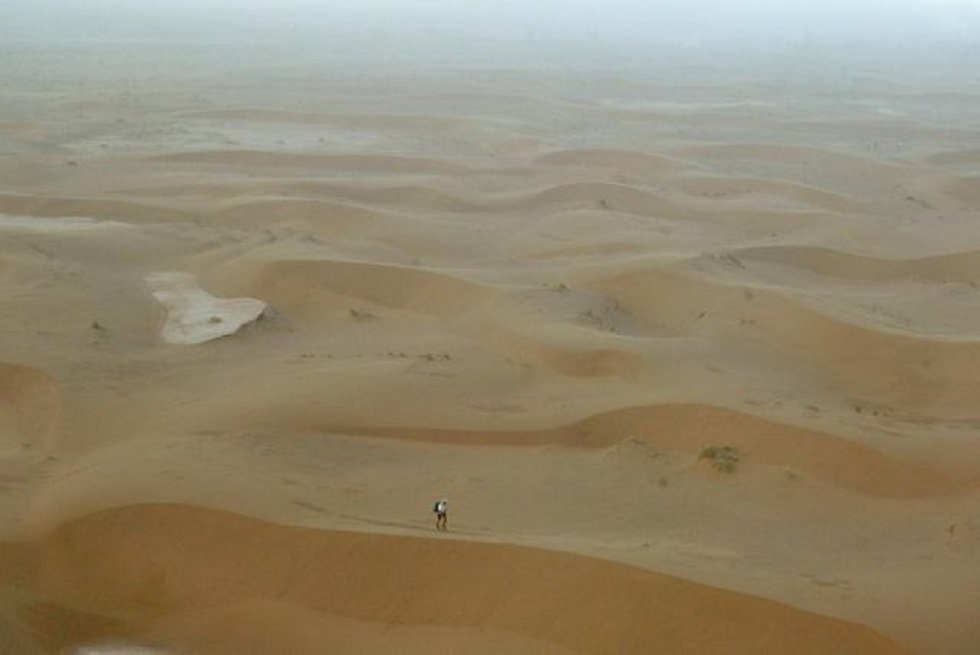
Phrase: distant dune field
[693,357]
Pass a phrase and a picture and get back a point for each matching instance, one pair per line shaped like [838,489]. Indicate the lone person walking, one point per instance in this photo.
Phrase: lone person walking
[441,508]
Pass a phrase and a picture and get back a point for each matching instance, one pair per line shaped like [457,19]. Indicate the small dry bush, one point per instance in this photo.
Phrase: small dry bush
[723,458]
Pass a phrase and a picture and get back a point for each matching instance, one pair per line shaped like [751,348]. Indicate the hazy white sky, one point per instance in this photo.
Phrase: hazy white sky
[635,20]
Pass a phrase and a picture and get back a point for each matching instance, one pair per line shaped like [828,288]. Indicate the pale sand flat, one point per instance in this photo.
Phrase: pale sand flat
[194,315]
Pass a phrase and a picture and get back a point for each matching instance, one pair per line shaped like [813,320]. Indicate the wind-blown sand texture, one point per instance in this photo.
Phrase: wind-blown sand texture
[541,292]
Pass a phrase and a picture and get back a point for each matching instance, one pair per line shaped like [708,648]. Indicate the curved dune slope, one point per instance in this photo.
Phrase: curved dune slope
[688,428]
[29,406]
[382,121]
[362,163]
[791,155]
[405,198]
[828,169]
[959,266]
[730,186]
[410,198]
[596,362]
[103,208]
[606,195]
[167,571]
[966,190]
[961,156]
[312,287]
[889,366]
[625,160]
[315,215]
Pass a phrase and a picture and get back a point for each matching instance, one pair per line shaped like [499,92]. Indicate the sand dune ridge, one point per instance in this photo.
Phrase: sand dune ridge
[111,563]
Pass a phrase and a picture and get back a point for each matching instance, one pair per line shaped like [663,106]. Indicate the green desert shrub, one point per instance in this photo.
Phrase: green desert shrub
[723,458]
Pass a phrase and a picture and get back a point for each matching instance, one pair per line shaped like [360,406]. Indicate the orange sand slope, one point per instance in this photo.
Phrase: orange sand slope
[544,291]
[183,579]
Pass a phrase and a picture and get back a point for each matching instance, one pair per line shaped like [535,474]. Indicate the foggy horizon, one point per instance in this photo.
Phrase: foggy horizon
[701,23]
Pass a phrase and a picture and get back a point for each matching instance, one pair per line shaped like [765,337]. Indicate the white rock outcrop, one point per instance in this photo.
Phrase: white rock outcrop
[195,316]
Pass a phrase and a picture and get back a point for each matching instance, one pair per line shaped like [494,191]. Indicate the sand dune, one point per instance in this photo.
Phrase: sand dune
[365,164]
[580,195]
[110,564]
[792,154]
[688,428]
[863,469]
[619,197]
[569,359]
[408,197]
[319,216]
[386,134]
[951,267]
[110,209]
[622,160]
[886,364]
[825,169]
[728,187]
[296,286]
[539,291]
[30,406]
[966,156]
[965,190]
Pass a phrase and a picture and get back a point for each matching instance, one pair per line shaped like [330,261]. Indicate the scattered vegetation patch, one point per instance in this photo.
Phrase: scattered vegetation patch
[723,458]
[436,357]
[918,201]
[360,315]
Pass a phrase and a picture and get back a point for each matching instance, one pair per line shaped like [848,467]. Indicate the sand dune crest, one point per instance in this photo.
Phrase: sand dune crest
[161,563]
[732,187]
[315,216]
[313,288]
[887,364]
[952,267]
[687,429]
[93,208]
[623,160]
[608,196]
[363,163]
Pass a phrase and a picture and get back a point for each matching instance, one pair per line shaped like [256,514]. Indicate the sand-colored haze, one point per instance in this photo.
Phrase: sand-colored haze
[538,291]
